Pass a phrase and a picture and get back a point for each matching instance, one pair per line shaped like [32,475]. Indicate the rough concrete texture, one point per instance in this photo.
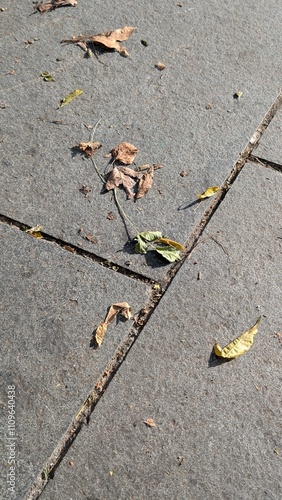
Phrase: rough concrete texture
[218,425]
[184,117]
[51,302]
[270,146]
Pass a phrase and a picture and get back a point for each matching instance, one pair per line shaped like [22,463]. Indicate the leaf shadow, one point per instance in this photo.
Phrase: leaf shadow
[182,207]
[216,361]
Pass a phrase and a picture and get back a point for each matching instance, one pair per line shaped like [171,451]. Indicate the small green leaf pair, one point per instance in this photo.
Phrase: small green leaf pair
[154,240]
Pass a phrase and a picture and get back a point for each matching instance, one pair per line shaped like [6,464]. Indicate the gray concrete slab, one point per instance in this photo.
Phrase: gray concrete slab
[51,301]
[270,146]
[184,117]
[218,425]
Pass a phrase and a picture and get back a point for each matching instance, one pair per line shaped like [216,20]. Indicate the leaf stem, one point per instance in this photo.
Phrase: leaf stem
[97,171]
[122,212]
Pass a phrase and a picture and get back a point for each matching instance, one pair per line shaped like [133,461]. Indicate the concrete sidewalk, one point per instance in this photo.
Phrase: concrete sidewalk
[217,427]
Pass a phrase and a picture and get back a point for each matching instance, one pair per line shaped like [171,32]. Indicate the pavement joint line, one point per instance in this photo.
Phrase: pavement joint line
[265,163]
[83,415]
[244,157]
[69,247]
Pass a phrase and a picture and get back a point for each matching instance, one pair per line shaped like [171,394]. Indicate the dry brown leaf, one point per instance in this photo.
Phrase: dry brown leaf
[55,3]
[122,308]
[116,178]
[150,422]
[108,40]
[145,183]
[125,153]
[89,148]
[130,172]
[157,166]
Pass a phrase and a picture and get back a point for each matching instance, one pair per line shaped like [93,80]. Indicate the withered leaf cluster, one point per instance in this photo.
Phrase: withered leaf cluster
[53,4]
[129,179]
[108,40]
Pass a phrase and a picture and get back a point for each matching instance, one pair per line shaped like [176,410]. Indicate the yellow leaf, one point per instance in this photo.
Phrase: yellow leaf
[209,192]
[100,333]
[35,232]
[172,243]
[238,346]
[70,97]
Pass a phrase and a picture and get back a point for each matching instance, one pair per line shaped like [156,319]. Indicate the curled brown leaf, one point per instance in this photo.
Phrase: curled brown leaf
[145,183]
[89,148]
[44,7]
[125,153]
[108,40]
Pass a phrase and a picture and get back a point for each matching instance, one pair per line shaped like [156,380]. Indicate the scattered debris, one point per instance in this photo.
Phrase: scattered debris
[87,237]
[183,173]
[237,94]
[125,153]
[35,231]
[150,422]
[69,248]
[85,190]
[3,105]
[111,216]
[66,100]
[53,4]
[122,308]
[209,192]
[180,459]
[89,148]
[47,77]
[30,41]
[145,43]
[107,40]
[199,276]
[160,66]
[278,335]
[238,346]
[208,106]
[3,9]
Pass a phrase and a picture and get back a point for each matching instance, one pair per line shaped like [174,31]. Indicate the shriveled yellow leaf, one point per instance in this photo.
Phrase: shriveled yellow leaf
[35,231]
[100,333]
[70,97]
[209,192]
[172,243]
[238,346]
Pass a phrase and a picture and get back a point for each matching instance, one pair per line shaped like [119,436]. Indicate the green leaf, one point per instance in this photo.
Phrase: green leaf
[169,253]
[141,246]
[150,235]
